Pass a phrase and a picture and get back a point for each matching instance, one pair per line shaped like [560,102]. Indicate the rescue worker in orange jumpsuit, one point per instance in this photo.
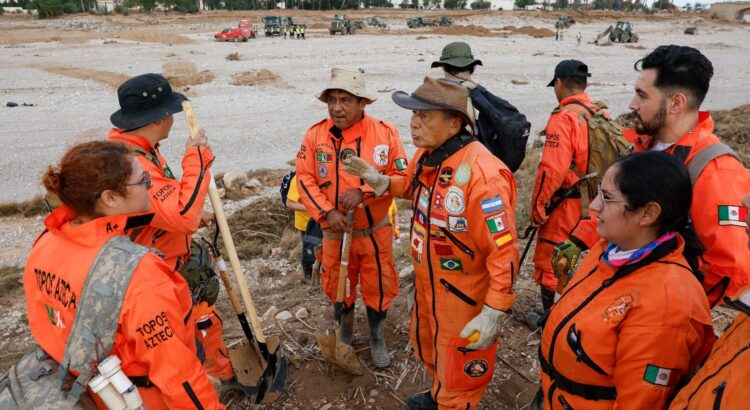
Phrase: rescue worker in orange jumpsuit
[463,244]
[634,321]
[327,193]
[668,94]
[146,116]
[721,383]
[564,160]
[104,191]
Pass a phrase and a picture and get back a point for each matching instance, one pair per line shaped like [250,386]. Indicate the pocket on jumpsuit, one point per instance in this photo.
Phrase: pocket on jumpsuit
[468,369]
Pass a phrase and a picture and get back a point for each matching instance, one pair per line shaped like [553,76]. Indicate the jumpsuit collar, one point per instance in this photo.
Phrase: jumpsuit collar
[689,144]
[95,231]
[350,134]
[118,134]
[449,147]
[582,97]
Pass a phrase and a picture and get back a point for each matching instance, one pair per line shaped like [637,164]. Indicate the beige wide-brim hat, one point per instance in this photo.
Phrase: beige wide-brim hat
[351,80]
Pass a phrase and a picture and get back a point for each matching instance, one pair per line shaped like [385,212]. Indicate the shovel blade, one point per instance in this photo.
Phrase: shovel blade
[261,379]
[339,353]
[276,373]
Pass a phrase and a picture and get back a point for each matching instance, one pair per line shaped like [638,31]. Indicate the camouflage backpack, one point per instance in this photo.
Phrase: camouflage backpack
[200,275]
[605,143]
[37,381]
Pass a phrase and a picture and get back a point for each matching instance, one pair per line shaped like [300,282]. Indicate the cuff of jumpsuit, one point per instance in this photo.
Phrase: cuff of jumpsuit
[367,192]
[500,301]
[322,215]
[206,154]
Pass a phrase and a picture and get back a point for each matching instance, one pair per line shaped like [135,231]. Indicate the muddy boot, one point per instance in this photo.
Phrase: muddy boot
[535,318]
[345,318]
[308,271]
[378,351]
[548,299]
[421,401]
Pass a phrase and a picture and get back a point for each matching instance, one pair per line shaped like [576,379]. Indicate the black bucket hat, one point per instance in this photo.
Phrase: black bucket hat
[145,99]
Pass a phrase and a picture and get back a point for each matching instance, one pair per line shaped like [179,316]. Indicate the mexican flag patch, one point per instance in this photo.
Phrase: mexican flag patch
[732,215]
[661,376]
[401,164]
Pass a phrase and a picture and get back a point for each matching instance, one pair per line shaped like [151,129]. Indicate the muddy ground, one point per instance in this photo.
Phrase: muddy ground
[256,100]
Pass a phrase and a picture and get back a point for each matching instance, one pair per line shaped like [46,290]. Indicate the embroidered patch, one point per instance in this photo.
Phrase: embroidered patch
[504,240]
[476,368]
[423,202]
[617,309]
[401,164]
[498,222]
[380,156]
[322,171]
[438,220]
[417,244]
[445,176]
[732,215]
[493,204]
[661,376]
[437,235]
[458,224]
[463,174]
[54,317]
[454,200]
[419,230]
[346,153]
[437,203]
[324,157]
[451,264]
[443,249]
[419,217]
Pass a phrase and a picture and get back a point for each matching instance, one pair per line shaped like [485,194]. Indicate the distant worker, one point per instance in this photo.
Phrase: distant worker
[721,382]
[105,193]
[328,193]
[633,323]
[302,29]
[578,38]
[669,91]
[463,244]
[284,30]
[145,118]
[564,161]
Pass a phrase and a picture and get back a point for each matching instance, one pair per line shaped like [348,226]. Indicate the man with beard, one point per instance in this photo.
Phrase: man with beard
[564,159]
[668,93]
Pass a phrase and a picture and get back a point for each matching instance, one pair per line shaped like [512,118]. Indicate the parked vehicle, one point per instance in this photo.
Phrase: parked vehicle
[376,22]
[235,34]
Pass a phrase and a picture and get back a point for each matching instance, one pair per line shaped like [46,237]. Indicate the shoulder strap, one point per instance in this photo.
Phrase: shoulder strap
[706,155]
[149,156]
[98,312]
[580,104]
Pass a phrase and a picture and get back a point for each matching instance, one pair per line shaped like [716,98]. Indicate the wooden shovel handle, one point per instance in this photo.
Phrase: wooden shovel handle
[346,244]
[562,265]
[229,287]
[226,236]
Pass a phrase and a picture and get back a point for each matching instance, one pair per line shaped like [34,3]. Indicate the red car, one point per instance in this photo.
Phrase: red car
[235,34]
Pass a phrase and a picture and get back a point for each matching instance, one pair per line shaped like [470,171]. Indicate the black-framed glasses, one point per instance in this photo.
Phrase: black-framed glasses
[145,180]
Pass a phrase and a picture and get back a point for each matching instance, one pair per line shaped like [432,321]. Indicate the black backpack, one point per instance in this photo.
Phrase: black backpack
[499,126]
[286,180]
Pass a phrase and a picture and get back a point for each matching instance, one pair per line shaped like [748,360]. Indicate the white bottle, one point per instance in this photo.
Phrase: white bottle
[110,368]
[107,392]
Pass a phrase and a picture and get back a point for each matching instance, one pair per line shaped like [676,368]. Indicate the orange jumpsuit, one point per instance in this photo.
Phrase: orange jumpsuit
[321,180]
[624,338]
[723,183]
[566,144]
[722,382]
[162,350]
[178,207]
[465,254]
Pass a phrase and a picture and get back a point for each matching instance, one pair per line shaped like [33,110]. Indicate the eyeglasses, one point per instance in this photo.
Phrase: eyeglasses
[600,194]
[145,180]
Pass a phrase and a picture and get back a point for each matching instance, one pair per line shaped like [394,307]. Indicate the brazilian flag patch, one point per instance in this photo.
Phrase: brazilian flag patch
[451,264]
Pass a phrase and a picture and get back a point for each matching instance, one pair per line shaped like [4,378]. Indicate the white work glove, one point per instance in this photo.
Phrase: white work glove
[358,167]
[487,323]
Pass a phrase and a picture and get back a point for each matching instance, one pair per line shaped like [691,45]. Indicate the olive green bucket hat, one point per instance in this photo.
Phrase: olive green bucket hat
[457,54]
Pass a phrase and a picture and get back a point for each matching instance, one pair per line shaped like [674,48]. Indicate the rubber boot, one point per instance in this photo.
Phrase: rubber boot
[534,319]
[421,401]
[345,318]
[378,351]
[548,299]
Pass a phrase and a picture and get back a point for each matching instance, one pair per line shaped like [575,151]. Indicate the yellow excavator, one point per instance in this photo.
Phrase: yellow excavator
[621,32]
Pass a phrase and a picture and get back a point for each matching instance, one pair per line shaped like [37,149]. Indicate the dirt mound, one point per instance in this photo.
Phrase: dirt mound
[733,127]
[184,73]
[317,26]
[469,30]
[256,78]
[530,31]
[259,227]
[107,77]
[233,56]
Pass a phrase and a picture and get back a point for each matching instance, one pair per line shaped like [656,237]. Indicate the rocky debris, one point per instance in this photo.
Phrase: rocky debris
[271,312]
[519,82]
[234,181]
[283,316]
[302,313]
[252,186]
[83,25]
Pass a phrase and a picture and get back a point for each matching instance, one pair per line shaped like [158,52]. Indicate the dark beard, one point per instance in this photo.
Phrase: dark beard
[652,127]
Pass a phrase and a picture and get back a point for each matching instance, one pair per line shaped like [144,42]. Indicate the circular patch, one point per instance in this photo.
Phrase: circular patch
[463,174]
[476,368]
[380,156]
[454,201]
[346,153]
[322,171]
[445,176]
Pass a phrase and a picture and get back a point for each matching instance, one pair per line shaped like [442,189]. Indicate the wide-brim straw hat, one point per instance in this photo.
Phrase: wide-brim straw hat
[351,80]
[436,94]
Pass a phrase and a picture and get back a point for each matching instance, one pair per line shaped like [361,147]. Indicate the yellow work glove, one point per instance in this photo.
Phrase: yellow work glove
[359,167]
[487,323]
[565,256]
